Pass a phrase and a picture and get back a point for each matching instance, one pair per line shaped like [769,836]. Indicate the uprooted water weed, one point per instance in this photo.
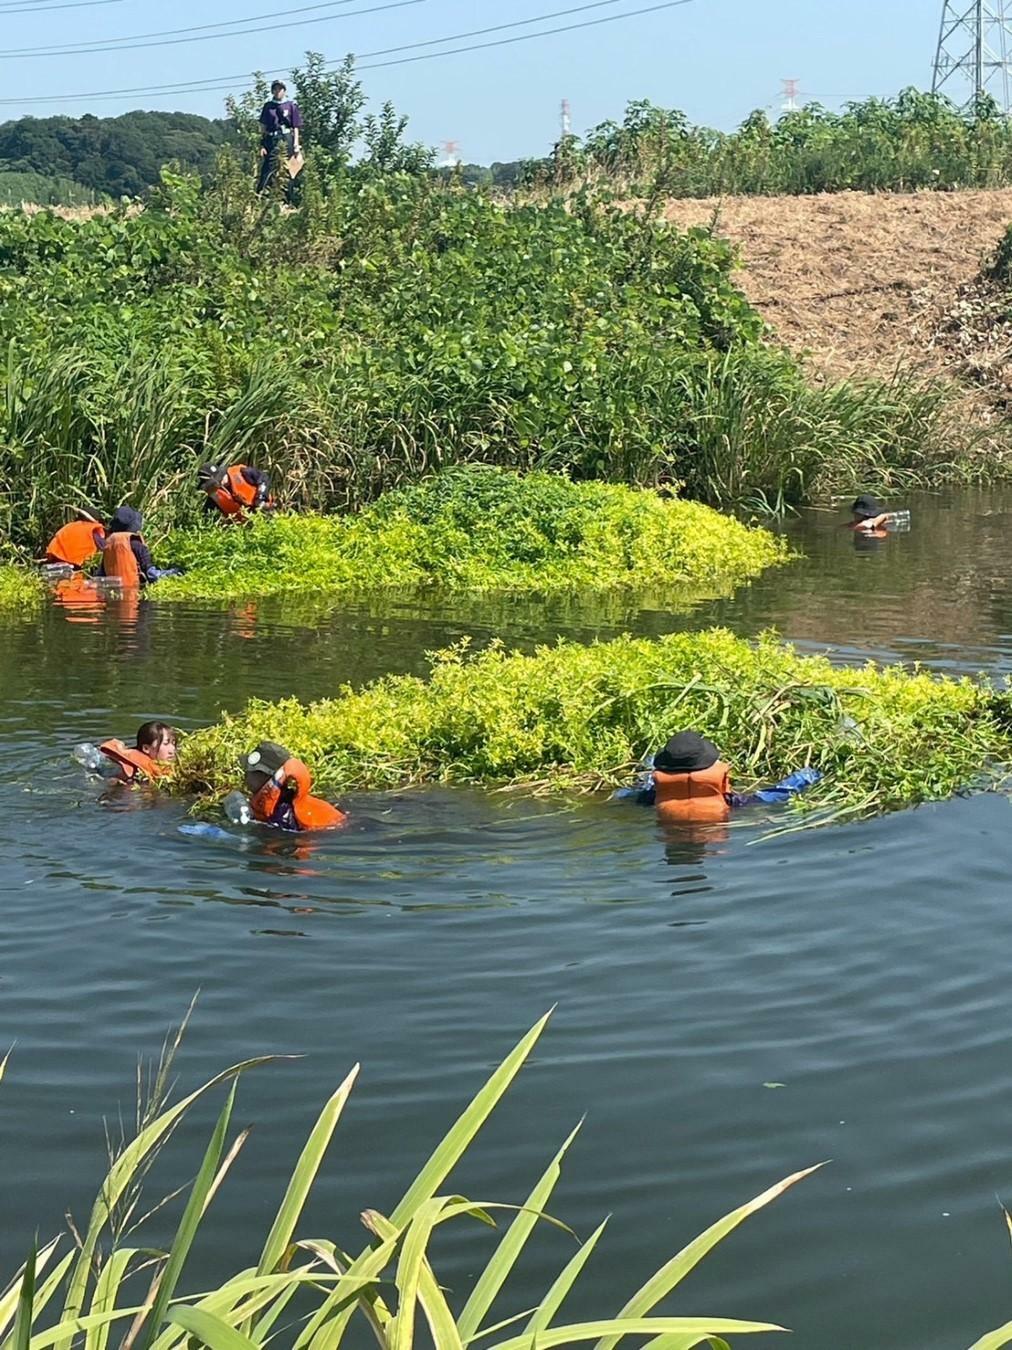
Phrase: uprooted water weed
[580,718]
[479,529]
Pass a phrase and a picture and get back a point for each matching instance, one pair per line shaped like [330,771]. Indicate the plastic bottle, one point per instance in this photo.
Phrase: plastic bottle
[898,522]
[237,809]
[203,829]
[92,759]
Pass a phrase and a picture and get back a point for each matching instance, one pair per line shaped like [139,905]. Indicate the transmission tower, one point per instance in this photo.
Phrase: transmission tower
[974,46]
[566,119]
[791,91]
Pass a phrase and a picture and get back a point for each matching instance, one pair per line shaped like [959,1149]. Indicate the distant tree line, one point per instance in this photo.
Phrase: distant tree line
[68,160]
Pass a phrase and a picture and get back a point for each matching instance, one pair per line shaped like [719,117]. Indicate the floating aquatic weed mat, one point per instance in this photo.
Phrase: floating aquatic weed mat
[21,590]
[479,529]
[580,718]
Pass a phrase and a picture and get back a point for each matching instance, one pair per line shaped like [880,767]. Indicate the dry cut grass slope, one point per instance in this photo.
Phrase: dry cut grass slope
[862,282]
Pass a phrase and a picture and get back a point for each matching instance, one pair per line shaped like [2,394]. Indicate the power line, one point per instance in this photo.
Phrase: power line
[215,84]
[73,48]
[202,35]
[23,8]
[527,37]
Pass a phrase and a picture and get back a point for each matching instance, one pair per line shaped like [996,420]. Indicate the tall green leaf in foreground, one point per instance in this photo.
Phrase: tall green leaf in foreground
[306,1292]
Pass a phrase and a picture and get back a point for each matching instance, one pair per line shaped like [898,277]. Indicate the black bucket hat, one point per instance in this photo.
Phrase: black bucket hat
[126,521]
[261,764]
[867,507]
[688,752]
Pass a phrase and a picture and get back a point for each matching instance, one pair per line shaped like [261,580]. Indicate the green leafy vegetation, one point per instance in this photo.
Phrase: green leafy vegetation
[113,1284]
[20,589]
[393,326]
[479,529]
[906,144]
[573,717]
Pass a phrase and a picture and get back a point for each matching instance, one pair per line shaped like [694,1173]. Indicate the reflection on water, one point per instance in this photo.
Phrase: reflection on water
[861,967]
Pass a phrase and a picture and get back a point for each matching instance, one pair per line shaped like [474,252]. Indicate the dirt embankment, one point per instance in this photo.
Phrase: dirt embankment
[866,283]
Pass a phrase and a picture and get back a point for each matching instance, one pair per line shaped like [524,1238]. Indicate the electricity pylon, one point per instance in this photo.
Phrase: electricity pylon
[974,46]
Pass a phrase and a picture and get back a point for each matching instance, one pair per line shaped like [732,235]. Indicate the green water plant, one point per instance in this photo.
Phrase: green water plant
[21,590]
[479,528]
[581,717]
[112,1287]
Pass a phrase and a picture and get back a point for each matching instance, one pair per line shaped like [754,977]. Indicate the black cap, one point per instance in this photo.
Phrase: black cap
[208,474]
[688,752]
[126,521]
[262,764]
[867,507]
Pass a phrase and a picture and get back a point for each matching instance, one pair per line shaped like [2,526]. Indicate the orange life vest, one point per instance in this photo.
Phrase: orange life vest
[694,796]
[75,543]
[310,813]
[134,763]
[237,495]
[118,559]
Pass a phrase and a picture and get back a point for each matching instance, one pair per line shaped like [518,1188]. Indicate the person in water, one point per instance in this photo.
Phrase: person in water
[280,787]
[77,542]
[125,555]
[690,782]
[235,491]
[868,517]
[152,755]
[281,127]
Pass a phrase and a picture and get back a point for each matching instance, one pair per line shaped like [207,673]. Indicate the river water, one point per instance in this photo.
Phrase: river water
[864,968]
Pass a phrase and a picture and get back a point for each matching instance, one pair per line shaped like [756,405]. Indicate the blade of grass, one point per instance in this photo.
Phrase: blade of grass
[495,1274]
[189,1223]
[618,1327]
[209,1330]
[564,1282]
[415,1278]
[456,1141]
[304,1176]
[106,1290]
[26,1303]
[120,1175]
[672,1274]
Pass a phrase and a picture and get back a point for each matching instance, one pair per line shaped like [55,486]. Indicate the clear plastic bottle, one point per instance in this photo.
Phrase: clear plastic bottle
[237,809]
[898,522]
[91,758]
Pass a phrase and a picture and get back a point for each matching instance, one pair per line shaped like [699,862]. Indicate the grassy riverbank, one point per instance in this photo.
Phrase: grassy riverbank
[579,718]
[396,324]
[478,529]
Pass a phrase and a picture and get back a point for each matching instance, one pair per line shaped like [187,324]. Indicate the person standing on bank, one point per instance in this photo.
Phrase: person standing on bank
[281,125]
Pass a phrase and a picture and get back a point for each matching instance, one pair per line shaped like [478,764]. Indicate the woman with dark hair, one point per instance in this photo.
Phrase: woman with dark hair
[281,125]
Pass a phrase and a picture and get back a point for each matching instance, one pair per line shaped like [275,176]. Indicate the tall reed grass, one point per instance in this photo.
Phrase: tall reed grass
[312,1293]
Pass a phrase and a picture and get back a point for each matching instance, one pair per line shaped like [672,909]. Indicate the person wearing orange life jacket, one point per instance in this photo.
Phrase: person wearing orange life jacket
[234,492]
[125,555]
[152,755]
[280,791]
[76,542]
[689,782]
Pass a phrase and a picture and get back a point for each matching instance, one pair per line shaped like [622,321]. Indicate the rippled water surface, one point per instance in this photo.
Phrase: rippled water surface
[863,968]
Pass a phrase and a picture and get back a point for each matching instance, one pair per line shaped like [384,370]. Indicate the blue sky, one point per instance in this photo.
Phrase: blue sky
[716,59]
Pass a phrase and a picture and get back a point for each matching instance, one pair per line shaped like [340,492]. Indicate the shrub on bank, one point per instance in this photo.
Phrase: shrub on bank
[581,718]
[479,529]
